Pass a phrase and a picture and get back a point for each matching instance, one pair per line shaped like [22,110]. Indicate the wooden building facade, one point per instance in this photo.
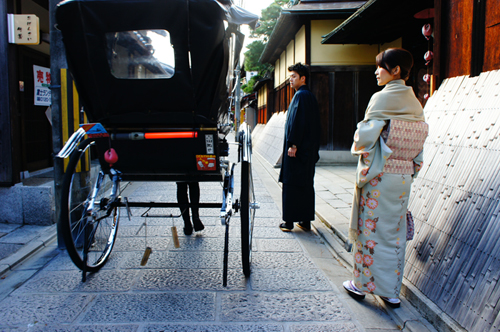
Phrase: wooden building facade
[264,102]
[26,132]
[454,259]
[342,74]
[297,38]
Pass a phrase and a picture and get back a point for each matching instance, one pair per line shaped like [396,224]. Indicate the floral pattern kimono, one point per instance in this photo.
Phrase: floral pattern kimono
[390,154]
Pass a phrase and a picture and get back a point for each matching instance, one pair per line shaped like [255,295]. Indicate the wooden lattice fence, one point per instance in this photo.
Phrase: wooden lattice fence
[454,258]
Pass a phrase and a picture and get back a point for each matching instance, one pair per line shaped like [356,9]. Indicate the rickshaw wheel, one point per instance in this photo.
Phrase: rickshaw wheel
[247,197]
[89,235]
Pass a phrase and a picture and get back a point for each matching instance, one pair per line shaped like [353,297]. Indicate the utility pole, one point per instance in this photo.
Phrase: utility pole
[57,61]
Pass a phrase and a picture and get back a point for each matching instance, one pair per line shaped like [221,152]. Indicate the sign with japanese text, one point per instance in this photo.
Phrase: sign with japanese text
[23,29]
[42,83]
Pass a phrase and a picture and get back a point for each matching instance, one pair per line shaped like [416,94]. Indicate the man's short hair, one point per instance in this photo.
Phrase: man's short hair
[302,70]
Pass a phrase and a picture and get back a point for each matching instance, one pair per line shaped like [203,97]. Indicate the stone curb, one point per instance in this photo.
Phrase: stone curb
[44,239]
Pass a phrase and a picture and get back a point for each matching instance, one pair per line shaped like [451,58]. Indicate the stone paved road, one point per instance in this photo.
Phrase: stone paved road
[294,284]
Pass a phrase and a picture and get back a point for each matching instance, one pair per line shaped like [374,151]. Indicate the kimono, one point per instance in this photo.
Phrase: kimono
[302,129]
[389,143]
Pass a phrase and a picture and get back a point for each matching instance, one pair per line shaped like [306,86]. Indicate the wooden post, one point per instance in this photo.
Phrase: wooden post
[6,167]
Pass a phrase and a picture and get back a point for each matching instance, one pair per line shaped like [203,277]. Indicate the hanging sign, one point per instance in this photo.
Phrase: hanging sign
[42,83]
[23,29]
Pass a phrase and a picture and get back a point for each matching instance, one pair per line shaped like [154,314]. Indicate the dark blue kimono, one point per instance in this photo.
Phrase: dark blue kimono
[302,129]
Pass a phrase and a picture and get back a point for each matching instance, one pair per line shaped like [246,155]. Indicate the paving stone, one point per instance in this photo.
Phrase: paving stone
[267,221]
[345,212]
[347,198]
[84,328]
[63,262]
[151,307]
[234,261]
[189,279]
[50,308]
[152,231]
[340,327]
[139,243]
[262,198]
[71,281]
[271,233]
[174,260]
[374,316]
[7,249]
[209,212]
[215,328]
[135,220]
[289,280]
[280,260]
[23,234]
[7,228]
[281,245]
[268,210]
[290,307]
[217,231]
[337,203]
[205,244]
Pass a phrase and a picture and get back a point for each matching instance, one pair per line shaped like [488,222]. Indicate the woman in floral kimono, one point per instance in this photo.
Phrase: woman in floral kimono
[389,143]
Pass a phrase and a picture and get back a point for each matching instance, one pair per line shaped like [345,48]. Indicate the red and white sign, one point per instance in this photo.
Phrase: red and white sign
[206,162]
[42,83]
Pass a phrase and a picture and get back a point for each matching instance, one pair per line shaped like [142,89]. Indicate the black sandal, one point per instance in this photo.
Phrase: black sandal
[352,290]
[304,225]
[285,228]
[391,302]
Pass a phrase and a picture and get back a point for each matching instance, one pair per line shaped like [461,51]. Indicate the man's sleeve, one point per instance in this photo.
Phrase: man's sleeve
[298,122]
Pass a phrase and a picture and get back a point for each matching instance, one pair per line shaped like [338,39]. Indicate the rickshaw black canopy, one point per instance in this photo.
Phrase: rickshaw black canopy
[195,92]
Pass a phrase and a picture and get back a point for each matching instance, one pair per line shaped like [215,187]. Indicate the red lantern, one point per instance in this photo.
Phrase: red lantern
[427,31]
[111,156]
[427,78]
[428,57]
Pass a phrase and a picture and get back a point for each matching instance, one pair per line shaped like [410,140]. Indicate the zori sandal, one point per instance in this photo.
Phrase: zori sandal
[391,301]
[353,290]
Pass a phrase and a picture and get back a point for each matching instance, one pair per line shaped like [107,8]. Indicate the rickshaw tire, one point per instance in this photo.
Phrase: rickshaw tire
[63,226]
[246,217]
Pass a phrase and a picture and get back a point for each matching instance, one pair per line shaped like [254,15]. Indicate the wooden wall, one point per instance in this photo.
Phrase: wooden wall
[457,38]
[343,93]
[320,88]
[492,36]
[454,258]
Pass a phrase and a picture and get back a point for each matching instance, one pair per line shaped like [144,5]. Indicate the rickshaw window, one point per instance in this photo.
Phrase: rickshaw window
[140,54]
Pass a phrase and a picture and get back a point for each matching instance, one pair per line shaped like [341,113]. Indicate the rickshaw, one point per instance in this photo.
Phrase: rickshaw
[155,78]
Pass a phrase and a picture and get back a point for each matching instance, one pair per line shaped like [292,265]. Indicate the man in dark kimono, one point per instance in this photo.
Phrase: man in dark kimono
[300,152]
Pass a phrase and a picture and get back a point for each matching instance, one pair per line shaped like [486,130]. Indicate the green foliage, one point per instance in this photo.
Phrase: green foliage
[253,54]
[248,88]
[268,20]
